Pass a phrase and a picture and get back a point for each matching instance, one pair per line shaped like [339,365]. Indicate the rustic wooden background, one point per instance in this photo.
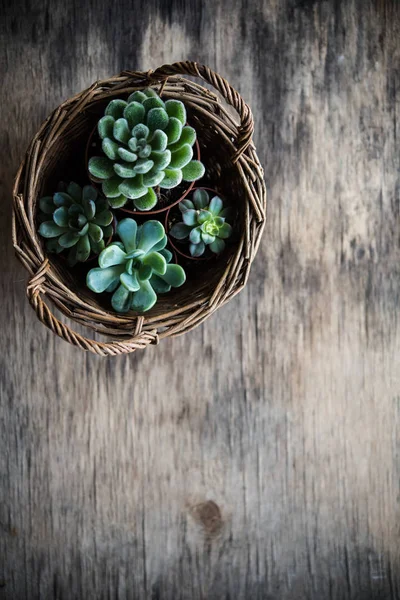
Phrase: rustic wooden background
[259,456]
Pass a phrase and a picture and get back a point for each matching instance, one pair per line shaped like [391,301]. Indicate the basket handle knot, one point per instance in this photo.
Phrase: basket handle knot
[34,287]
[35,290]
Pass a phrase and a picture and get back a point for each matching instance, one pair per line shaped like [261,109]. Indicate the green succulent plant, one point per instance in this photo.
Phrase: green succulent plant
[146,143]
[203,223]
[77,219]
[137,268]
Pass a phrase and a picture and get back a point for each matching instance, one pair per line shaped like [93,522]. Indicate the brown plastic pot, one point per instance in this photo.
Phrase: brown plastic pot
[175,247]
[129,211]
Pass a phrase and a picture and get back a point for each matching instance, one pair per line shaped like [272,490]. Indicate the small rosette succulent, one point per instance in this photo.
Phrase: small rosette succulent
[146,143]
[203,223]
[137,268]
[75,219]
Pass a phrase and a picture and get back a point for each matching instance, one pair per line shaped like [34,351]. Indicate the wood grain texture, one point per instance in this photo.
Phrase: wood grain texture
[258,456]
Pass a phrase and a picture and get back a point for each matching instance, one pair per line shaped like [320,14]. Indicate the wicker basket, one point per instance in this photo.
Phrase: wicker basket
[232,166]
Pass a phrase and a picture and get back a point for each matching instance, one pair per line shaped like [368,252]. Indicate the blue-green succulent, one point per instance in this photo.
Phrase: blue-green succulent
[75,219]
[136,268]
[203,223]
[146,144]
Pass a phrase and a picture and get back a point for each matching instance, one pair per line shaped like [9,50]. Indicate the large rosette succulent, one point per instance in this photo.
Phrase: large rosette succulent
[146,144]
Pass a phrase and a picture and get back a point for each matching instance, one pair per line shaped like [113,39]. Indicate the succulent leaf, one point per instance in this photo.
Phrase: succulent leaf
[151,232]
[159,140]
[46,205]
[151,179]
[159,285]
[133,188]
[130,281]
[105,126]
[185,205]
[215,206]
[190,217]
[193,171]
[143,166]
[62,199]
[110,148]
[148,201]
[181,157]
[145,298]
[121,299]
[95,232]
[157,118]
[172,178]
[134,113]
[103,218]
[101,167]
[153,102]
[117,202]
[61,216]
[188,136]
[99,279]
[217,246]
[126,155]
[68,239]
[111,256]
[195,235]
[49,229]
[89,207]
[161,246]
[180,231]
[197,250]
[125,170]
[207,238]
[173,130]
[116,108]
[200,198]
[110,187]
[121,131]
[174,275]
[83,249]
[156,261]
[225,231]
[137,97]
[127,231]
[166,254]
[176,108]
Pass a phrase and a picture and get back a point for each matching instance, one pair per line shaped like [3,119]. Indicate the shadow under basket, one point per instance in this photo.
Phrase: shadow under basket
[57,152]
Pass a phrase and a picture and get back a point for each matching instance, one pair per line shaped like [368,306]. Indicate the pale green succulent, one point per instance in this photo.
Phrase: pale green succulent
[75,219]
[137,268]
[203,223]
[146,143]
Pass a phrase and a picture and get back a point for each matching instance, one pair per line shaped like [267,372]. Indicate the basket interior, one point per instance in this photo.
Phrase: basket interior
[66,161]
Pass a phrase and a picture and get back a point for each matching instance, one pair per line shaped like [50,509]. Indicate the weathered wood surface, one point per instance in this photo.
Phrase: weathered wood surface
[258,456]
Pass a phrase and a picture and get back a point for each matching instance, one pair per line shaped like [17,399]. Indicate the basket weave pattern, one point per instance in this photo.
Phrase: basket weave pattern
[233,167]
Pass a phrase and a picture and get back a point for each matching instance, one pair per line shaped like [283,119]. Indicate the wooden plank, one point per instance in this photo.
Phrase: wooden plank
[258,456]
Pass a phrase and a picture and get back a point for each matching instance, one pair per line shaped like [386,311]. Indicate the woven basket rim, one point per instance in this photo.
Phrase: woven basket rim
[131,332]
